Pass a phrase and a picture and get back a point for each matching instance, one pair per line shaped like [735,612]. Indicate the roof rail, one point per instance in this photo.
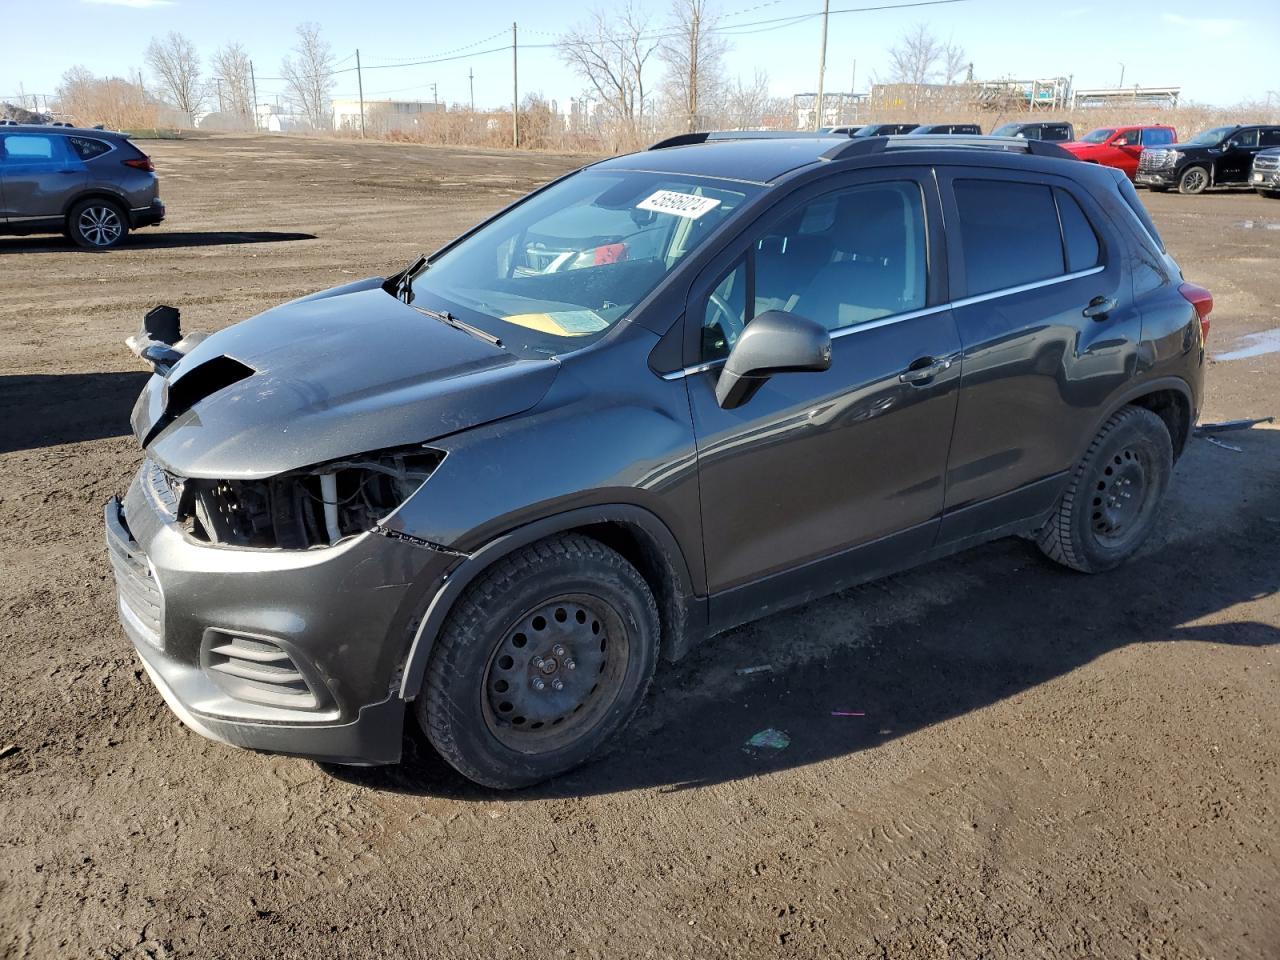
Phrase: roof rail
[946,141]
[707,136]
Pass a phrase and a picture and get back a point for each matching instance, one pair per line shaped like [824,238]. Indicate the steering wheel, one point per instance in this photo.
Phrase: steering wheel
[730,322]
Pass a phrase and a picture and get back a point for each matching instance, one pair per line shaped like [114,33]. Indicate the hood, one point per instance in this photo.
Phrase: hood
[348,371]
[1080,148]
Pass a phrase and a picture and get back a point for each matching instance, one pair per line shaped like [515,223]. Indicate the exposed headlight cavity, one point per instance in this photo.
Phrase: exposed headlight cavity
[313,507]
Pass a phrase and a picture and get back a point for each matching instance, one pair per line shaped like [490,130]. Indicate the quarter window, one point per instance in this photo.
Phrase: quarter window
[1079,240]
[87,149]
[842,259]
[1270,138]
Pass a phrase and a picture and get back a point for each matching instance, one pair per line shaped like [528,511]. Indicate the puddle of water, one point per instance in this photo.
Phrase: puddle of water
[1253,345]
[1259,224]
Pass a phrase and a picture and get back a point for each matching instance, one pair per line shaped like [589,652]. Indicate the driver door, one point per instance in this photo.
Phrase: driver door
[822,477]
[1237,157]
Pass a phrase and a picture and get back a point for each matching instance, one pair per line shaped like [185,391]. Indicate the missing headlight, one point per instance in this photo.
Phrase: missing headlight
[314,507]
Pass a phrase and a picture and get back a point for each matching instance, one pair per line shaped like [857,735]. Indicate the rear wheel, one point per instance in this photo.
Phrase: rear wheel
[1111,501]
[1193,180]
[97,224]
[543,660]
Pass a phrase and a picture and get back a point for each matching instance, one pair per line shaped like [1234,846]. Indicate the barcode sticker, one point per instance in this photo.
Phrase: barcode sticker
[680,204]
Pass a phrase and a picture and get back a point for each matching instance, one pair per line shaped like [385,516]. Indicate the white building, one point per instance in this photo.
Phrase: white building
[383,116]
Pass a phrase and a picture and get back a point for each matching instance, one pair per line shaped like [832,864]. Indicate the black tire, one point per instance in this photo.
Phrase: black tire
[1270,194]
[1193,180]
[1098,524]
[97,224]
[568,601]
[1158,189]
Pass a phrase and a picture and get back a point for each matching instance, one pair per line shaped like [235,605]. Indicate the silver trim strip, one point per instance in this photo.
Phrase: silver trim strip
[1022,288]
[914,314]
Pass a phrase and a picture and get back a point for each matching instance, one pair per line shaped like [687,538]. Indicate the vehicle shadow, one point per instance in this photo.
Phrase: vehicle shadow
[44,410]
[985,644]
[155,241]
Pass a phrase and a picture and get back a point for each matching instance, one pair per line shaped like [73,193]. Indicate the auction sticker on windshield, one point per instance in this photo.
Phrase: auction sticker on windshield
[681,204]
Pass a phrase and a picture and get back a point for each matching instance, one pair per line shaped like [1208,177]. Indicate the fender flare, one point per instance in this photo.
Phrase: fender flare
[464,574]
[96,191]
[1132,393]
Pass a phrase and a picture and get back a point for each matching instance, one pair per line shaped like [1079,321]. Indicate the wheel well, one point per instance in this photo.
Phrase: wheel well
[646,554]
[95,195]
[1172,407]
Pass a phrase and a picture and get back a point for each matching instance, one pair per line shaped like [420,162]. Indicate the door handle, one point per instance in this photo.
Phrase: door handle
[925,369]
[1099,307]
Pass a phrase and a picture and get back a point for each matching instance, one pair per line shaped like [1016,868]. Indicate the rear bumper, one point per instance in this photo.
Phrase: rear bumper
[147,216]
[334,624]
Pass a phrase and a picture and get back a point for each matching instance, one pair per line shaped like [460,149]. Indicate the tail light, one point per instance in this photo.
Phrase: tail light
[1202,300]
[141,163]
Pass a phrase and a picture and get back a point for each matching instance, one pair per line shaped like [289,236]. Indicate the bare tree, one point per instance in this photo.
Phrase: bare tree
[916,58]
[177,65]
[231,66]
[749,105]
[611,51]
[310,75]
[955,63]
[694,56]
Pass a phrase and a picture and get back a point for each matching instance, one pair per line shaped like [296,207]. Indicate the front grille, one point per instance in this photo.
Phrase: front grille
[256,670]
[1265,164]
[138,595]
[1152,160]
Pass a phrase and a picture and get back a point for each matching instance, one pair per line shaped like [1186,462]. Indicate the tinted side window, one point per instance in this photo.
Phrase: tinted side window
[1245,138]
[1078,236]
[1055,132]
[1156,138]
[25,147]
[1270,138]
[1009,232]
[87,149]
[842,259]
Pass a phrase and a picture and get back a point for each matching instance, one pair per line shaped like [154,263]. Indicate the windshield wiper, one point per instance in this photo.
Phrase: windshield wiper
[444,316]
[403,289]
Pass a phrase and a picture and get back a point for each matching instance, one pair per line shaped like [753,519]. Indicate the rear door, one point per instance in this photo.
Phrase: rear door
[39,175]
[1049,328]
[817,463]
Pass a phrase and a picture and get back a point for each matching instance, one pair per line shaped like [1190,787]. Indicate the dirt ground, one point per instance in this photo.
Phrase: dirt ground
[1049,764]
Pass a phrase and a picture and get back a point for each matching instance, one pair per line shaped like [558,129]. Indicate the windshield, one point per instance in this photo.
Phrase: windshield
[1101,135]
[566,265]
[1212,136]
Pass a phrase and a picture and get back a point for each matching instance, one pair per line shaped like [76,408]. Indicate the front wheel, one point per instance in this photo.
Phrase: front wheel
[1270,194]
[1111,501]
[543,660]
[1193,180]
[97,224]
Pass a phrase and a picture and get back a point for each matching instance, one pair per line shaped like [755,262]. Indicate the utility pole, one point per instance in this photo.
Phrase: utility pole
[253,79]
[822,62]
[515,92]
[1121,83]
[471,78]
[360,85]
[434,98]
[693,66]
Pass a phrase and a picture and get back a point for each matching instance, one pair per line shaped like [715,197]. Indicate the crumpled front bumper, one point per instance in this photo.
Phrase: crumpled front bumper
[337,620]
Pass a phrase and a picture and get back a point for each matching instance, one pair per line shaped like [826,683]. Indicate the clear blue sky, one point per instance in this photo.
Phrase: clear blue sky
[1218,55]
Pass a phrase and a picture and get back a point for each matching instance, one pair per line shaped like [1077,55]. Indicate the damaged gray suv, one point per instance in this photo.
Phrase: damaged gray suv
[657,398]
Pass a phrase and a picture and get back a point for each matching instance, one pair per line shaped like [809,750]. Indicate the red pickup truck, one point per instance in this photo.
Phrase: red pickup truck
[1120,146]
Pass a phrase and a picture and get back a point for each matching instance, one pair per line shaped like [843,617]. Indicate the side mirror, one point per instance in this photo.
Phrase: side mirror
[774,342]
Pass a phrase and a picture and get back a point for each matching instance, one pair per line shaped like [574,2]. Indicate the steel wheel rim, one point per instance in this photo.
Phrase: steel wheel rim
[578,640]
[1194,180]
[1119,497]
[101,226]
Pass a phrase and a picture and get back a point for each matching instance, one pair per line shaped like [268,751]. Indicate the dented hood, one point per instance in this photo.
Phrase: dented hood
[348,371]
